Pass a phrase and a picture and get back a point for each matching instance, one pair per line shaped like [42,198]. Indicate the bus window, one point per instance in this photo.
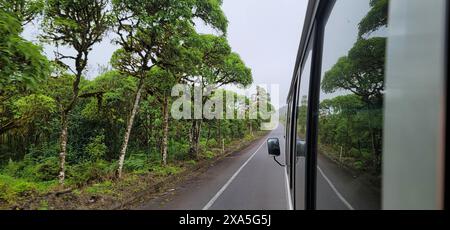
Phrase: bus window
[351,106]
[300,133]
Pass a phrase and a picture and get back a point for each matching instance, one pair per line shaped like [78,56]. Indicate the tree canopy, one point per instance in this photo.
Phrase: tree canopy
[22,63]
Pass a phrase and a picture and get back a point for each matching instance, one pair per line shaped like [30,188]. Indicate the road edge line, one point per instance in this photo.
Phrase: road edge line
[335,190]
[224,187]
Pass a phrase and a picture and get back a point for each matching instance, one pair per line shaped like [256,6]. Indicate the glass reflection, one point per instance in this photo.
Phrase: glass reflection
[351,106]
[300,144]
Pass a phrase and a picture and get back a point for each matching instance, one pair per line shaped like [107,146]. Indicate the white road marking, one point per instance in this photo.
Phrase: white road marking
[224,187]
[288,191]
[335,190]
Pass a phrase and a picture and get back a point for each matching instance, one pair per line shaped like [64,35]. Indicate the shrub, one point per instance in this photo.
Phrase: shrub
[208,154]
[13,168]
[136,162]
[248,137]
[191,162]
[103,188]
[202,144]
[359,165]
[212,143]
[165,171]
[177,150]
[43,150]
[37,170]
[12,188]
[96,148]
[43,205]
[46,169]
[85,173]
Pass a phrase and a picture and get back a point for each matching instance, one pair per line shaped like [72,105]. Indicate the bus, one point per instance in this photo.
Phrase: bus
[366,113]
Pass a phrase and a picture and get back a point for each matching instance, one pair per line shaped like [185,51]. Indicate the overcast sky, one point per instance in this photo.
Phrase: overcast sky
[266,33]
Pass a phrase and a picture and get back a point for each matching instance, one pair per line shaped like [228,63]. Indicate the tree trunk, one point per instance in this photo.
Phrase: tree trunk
[65,123]
[63,147]
[195,138]
[219,129]
[129,128]
[209,135]
[165,130]
[372,138]
[149,133]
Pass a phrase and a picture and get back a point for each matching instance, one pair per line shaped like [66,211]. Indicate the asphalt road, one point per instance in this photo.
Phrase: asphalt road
[251,180]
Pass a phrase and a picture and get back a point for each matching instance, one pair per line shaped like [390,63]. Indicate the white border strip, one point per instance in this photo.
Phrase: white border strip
[335,190]
[288,190]
[211,202]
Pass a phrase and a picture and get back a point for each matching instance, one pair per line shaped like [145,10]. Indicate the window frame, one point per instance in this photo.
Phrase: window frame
[316,18]
[312,38]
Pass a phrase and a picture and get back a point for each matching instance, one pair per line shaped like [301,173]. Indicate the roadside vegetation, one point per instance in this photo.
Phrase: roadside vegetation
[61,133]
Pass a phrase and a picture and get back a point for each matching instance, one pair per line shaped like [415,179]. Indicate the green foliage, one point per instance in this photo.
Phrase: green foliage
[376,18]
[136,162]
[22,64]
[34,106]
[212,143]
[80,24]
[165,171]
[24,11]
[178,150]
[103,188]
[12,168]
[248,137]
[37,170]
[47,170]
[361,72]
[208,154]
[96,148]
[89,172]
[43,205]
[210,11]
[12,188]
[191,162]
[43,150]
[352,124]
[162,50]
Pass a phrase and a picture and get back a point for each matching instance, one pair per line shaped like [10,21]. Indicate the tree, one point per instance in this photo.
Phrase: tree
[361,72]
[154,33]
[79,24]
[218,67]
[22,67]
[377,17]
[25,11]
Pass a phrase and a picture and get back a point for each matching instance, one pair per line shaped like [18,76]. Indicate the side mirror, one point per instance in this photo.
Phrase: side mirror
[301,148]
[273,145]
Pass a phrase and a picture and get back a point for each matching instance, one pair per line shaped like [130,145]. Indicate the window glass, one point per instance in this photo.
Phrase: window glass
[300,149]
[351,106]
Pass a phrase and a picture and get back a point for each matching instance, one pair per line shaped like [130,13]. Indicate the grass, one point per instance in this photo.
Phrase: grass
[208,154]
[43,205]
[165,171]
[191,162]
[11,189]
[104,188]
